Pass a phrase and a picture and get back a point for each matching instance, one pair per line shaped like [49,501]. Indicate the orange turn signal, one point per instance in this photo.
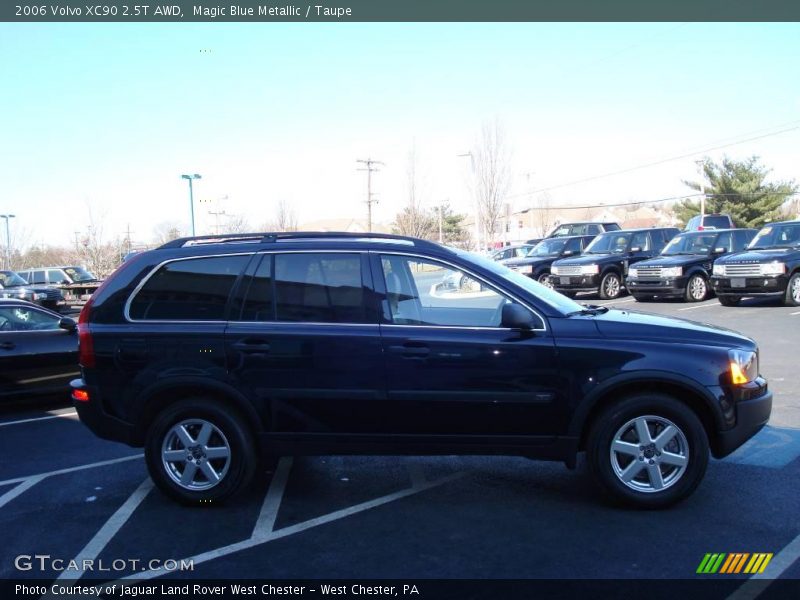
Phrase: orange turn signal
[80,395]
[737,375]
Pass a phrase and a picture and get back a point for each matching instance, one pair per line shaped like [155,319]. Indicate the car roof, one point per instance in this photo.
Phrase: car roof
[618,231]
[701,231]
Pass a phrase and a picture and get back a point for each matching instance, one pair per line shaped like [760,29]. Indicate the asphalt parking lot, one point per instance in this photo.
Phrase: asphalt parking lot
[67,494]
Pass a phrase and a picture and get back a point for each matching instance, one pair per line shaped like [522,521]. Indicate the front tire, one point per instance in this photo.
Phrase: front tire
[544,279]
[610,286]
[792,297]
[199,452]
[696,289]
[648,451]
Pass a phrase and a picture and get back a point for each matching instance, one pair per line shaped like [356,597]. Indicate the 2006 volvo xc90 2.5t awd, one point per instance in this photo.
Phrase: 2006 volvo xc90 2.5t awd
[212,353]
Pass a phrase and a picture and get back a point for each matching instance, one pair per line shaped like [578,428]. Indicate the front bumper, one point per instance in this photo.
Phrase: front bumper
[93,415]
[750,286]
[673,287]
[575,283]
[753,406]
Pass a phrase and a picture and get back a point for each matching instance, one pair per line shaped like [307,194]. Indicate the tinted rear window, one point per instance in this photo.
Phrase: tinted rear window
[717,222]
[196,289]
[321,288]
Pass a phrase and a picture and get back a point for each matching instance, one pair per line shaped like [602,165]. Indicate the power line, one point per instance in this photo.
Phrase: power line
[654,163]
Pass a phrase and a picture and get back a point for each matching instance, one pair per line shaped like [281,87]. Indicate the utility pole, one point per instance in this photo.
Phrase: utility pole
[441,206]
[8,240]
[477,202]
[128,238]
[370,169]
[216,214]
[700,164]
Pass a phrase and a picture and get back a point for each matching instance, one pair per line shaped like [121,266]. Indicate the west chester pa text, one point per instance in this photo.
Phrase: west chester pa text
[265,10]
[188,589]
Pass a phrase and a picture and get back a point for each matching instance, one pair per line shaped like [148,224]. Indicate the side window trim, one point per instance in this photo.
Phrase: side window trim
[376,263]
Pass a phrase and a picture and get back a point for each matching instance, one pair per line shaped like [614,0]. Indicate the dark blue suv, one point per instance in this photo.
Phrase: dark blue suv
[212,353]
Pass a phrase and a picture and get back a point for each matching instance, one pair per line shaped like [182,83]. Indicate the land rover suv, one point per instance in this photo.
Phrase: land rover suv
[212,353]
[604,263]
[769,267]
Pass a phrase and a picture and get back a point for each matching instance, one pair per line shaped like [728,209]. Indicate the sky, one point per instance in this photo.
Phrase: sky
[100,120]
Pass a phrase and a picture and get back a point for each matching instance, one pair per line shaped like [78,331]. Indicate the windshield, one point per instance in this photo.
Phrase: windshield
[561,303]
[11,279]
[548,248]
[777,235]
[609,243]
[690,243]
[79,274]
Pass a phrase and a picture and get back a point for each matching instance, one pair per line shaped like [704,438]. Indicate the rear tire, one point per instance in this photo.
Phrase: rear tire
[200,452]
[648,450]
[792,297]
[729,300]
[696,288]
[544,279]
[610,286]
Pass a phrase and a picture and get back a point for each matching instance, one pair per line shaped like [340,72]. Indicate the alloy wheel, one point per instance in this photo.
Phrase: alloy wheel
[649,454]
[195,454]
[698,288]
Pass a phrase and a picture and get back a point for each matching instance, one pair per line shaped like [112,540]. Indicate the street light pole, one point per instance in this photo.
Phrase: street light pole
[8,240]
[477,201]
[190,178]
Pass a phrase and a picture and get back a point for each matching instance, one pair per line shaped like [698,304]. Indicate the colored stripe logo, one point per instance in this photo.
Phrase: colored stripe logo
[734,562]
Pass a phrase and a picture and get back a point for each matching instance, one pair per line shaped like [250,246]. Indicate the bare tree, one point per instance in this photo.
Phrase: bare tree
[101,257]
[543,217]
[235,224]
[492,177]
[285,219]
[414,220]
[166,231]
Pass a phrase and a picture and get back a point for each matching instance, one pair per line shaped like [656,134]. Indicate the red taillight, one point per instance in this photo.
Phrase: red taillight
[85,343]
[80,395]
[700,228]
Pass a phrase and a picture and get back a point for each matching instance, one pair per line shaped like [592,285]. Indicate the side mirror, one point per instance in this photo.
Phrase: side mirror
[636,249]
[68,324]
[516,316]
[64,282]
[568,253]
[721,250]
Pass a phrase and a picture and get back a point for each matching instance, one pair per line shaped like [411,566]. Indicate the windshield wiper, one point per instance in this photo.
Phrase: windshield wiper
[591,309]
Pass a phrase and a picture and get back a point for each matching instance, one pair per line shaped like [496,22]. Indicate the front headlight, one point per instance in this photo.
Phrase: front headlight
[773,268]
[719,270]
[554,270]
[672,272]
[744,366]
[590,269]
[633,273]
[40,296]
[525,269]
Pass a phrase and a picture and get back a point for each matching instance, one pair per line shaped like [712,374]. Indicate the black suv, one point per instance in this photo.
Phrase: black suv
[12,285]
[770,266]
[683,269]
[604,263]
[536,264]
[213,352]
[592,228]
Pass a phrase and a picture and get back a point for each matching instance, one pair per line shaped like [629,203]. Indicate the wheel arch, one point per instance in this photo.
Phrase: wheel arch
[159,396]
[698,399]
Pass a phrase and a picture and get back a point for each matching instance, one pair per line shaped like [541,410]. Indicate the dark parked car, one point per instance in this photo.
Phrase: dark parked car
[603,265]
[76,283]
[770,266]
[592,228]
[510,252]
[14,286]
[38,351]
[683,269]
[715,221]
[536,264]
[212,354]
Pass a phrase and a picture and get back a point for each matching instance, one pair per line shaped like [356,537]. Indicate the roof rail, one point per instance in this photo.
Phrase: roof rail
[272,237]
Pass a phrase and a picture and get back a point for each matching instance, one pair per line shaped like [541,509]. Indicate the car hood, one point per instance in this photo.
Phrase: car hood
[637,325]
[758,256]
[676,260]
[527,260]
